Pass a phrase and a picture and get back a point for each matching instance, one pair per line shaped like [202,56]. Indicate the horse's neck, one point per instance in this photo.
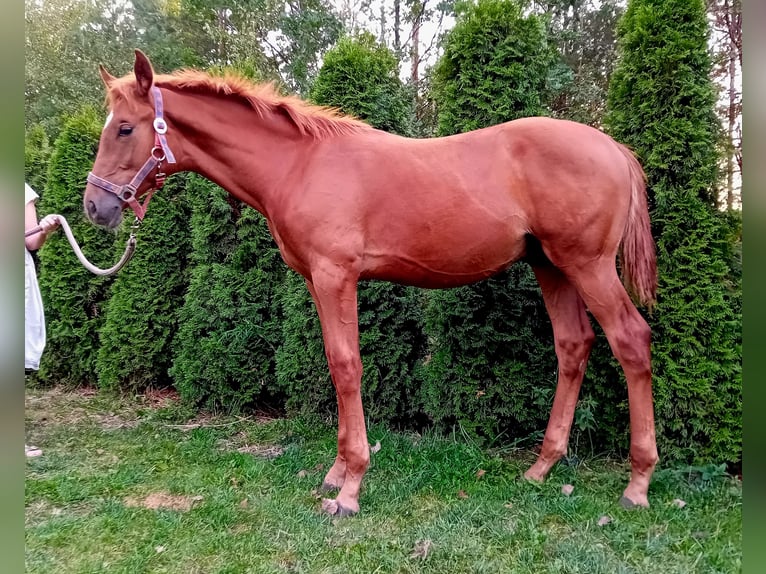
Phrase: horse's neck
[230,144]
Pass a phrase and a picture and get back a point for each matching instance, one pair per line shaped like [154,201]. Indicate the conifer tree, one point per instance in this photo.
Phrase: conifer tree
[662,104]
[359,77]
[492,366]
[145,298]
[230,324]
[73,298]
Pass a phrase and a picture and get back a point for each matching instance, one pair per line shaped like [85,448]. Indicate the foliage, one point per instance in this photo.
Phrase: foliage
[495,67]
[492,366]
[662,104]
[360,78]
[65,41]
[144,301]
[216,32]
[585,35]
[74,299]
[230,324]
[391,344]
[53,80]
[307,29]
[37,152]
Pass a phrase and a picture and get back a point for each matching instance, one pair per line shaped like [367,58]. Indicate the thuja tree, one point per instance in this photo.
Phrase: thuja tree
[230,325]
[360,78]
[74,299]
[662,104]
[495,67]
[37,152]
[492,367]
[142,313]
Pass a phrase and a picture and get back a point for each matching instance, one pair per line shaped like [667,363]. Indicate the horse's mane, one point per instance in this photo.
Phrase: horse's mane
[317,121]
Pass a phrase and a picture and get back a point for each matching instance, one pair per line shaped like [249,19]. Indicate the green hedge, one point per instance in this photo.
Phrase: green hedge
[142,313]
[74,299]
[662,104]
[230,322]
[492,367]
[359,77]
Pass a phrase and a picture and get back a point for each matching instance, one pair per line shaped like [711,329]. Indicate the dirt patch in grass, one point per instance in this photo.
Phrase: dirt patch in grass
[239,442]
[164,500]
[82,406]
[41,511]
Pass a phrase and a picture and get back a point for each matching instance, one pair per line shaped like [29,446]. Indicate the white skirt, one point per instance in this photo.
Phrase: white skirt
[34,318]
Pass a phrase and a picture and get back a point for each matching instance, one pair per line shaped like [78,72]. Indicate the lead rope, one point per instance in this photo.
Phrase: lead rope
[130,247]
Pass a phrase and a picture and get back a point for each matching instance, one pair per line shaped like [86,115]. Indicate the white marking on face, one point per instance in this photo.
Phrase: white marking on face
[108,119]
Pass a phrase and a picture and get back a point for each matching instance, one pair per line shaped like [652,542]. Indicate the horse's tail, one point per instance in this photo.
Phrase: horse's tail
[637,252]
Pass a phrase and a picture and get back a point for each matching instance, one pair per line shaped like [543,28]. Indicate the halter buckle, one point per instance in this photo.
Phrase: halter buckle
[160,126]
[127,193]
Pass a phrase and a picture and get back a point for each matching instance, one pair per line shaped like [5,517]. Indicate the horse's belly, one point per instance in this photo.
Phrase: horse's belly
[450,262]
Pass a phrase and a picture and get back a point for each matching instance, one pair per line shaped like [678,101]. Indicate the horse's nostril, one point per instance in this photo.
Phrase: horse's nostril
[91,208]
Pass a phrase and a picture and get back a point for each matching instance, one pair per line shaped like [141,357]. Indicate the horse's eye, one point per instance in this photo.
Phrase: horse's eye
[125,130]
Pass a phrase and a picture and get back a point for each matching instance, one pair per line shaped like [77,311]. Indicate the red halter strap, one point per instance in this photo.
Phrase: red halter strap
[160,152]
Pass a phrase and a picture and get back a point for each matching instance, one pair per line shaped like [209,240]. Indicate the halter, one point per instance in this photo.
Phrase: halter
[160,152]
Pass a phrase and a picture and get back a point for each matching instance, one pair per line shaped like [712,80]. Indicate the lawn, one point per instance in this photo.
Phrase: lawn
[134,485]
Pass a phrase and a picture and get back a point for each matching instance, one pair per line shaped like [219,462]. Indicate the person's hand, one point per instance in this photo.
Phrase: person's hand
[49,223]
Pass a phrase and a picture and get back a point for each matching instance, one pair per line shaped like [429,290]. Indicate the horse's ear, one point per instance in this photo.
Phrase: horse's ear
[144,73]
[106,77]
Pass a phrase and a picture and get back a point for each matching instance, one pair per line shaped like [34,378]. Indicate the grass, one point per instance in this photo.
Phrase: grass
[141,485]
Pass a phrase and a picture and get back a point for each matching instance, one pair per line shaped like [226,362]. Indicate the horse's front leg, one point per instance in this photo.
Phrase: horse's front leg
[336,476]
[335,296]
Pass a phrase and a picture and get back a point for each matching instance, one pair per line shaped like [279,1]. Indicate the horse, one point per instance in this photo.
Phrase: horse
[346,202]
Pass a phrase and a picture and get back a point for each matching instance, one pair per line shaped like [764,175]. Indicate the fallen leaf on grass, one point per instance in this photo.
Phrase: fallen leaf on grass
[604,520]
[508,505]
[243,503]
[422,547]
[481,472]
[567,489]
[302,474]
[159,549]
[461,494]
[376,448]
[679,503]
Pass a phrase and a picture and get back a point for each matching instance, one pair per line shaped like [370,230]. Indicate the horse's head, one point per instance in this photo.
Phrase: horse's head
[132,147]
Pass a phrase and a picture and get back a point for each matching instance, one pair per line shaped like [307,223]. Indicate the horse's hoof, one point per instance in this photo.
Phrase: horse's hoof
[534,477]
[628,504]
[328,487]
[334,508]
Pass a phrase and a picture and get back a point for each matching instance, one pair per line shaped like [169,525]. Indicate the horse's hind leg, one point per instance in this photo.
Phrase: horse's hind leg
[629,337]
[573,337]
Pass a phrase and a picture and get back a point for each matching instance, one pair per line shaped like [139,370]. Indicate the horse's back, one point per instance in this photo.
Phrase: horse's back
[449,211]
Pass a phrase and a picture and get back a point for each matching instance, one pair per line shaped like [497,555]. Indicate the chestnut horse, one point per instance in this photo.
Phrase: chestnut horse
[346,202]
